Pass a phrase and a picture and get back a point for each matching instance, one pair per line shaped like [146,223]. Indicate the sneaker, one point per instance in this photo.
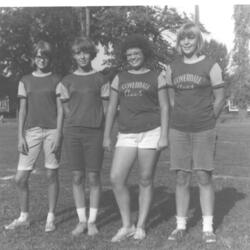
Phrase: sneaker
[92,229]
[50,226]
[79,229]
[17,223]
[123,233]
[208,237]
[177,235]
[140,234]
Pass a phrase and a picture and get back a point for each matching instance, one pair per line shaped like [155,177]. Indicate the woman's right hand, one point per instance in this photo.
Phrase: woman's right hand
[23,146]
[107,143]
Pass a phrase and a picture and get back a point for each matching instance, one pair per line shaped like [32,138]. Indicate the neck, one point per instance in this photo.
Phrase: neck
[85,69]
[190,58]
[42,71]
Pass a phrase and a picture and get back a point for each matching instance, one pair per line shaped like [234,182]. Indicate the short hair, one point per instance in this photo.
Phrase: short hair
[137,41]
[42,47]
[190,26]
[84,44]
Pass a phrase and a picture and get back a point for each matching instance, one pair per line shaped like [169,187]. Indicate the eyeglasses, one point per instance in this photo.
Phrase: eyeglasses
[188,35]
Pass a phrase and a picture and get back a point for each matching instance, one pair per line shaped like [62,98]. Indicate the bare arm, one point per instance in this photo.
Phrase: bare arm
[164,108]
[110,116]
[219,101]
[171,97]
[22,144]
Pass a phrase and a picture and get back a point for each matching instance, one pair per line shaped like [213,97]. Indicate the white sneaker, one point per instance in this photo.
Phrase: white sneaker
[140,234]
[17,223]
[123,233]
[50,226]
[80,228]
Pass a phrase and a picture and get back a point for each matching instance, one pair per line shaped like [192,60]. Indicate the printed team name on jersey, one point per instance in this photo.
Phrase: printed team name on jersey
[187,81]
[134,88]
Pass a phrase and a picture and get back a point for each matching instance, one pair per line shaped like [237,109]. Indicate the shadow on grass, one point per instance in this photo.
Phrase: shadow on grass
[162,208]
[225,200]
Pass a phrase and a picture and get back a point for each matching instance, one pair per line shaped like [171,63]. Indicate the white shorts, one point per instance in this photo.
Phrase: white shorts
[36,138]
[148,139]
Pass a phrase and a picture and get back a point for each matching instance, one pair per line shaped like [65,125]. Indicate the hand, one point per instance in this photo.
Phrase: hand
[162,143]
[107,143]
[56,144]
[23,146]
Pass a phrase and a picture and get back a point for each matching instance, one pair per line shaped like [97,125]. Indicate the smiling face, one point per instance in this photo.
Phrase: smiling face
[42,61]
[188,42]
[135,58]
[82,58]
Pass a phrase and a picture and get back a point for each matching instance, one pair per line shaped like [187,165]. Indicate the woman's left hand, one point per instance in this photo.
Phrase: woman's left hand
[162,143]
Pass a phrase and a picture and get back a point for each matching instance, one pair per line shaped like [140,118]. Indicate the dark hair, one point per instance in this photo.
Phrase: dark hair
[84,44]
[137,41]
[189,26]
[42,47]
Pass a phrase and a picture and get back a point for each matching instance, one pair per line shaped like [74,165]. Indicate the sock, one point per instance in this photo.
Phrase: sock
[207,223]
[181,222]
[23,216]
[81,212]
[50,216]
[92,215]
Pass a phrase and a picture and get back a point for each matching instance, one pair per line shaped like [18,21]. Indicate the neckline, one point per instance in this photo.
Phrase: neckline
[41,75]
[138,72]
[84,73]
[200,59]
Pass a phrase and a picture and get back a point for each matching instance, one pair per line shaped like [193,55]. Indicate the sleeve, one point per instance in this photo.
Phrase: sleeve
[63,92]
[162,80]
[21,90]
[216,76]
[115,84]
[105,90]
[168,77]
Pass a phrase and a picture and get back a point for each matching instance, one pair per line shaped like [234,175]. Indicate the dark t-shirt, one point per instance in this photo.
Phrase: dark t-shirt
[83,94]
[138,99]
[193,100]
[40,92]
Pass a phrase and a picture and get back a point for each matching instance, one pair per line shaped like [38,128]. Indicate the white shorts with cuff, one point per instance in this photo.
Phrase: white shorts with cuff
[147,140]
[36,138]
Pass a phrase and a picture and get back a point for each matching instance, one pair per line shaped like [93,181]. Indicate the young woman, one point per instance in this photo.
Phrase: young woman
[197,98]
[81,94]
[40,123]
[143,118]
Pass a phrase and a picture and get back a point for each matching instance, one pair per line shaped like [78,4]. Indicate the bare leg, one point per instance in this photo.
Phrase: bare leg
[147,161]
[21,179]
[78,189]
[204,179]
[53,188]
[123,160]
[95,190]
[182,195]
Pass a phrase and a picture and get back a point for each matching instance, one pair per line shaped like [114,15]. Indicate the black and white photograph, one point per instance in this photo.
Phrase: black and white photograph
[124,125]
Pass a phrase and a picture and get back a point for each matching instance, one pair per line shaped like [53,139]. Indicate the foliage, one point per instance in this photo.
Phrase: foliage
[241,62]
[20,27]
[218,51]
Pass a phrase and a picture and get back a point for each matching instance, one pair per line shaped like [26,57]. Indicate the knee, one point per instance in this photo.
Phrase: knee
[94,179]
[204,178]
[21,181]
[52,176]
[77,180]
[182,179]
[145,181]
[116,181]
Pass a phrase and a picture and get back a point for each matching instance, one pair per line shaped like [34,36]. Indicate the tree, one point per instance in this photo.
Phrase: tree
[20,27]
[241,62]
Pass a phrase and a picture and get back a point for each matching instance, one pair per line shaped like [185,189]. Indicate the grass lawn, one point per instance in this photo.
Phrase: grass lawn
[232,209]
